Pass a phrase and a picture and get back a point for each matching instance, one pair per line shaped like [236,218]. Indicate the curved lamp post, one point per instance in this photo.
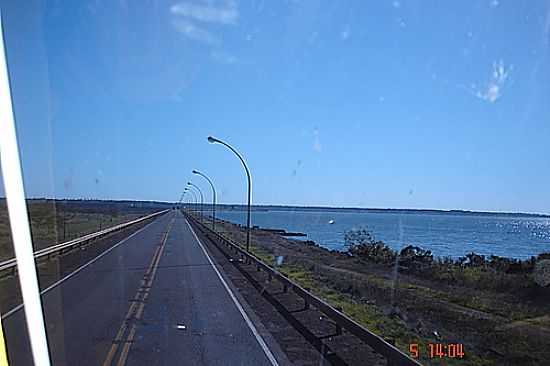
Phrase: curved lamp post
[181,200]
[192,200]
[214,140]
[213,197]
[194,203]
[200,193]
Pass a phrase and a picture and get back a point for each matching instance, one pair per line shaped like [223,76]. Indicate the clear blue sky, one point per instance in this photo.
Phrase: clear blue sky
[410,104]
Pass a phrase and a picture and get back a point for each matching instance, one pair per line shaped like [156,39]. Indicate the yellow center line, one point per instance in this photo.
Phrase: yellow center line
[138,303]
[124,325]
[126,349]
[139,313]
[141,307]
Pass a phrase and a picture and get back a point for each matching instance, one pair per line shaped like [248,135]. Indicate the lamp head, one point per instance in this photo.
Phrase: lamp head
[195,171]
[212,139]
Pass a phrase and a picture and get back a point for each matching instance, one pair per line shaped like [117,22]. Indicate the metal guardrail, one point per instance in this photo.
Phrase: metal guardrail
[11,264]
[393,355]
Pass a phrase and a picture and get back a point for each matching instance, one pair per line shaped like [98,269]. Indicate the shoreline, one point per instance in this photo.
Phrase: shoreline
[421,301]
[339,245]
[407,211]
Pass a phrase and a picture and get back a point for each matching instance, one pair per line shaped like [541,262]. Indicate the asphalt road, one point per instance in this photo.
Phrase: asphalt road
[154,299]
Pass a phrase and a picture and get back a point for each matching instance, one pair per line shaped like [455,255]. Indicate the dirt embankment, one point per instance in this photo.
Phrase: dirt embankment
[496,327]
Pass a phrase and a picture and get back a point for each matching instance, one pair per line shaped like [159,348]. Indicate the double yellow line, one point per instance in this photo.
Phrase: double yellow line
[135,312]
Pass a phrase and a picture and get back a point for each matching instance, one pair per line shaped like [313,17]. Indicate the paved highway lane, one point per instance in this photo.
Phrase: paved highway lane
[84,312]
[191,316]
[154,299]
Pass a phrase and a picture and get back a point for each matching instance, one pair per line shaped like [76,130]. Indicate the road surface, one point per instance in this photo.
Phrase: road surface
[155,298]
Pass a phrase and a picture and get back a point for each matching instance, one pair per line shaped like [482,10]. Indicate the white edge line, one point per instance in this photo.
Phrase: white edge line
[19,220]
[18,307]
[259,338]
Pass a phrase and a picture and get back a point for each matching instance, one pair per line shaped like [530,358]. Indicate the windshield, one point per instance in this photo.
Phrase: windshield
[212,182]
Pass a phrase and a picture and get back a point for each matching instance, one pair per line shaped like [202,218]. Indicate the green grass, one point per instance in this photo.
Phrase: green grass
[338,291]
[371,317]
[47,225]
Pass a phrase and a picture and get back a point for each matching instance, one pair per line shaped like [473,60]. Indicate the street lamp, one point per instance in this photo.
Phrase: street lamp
[183,201]
[200,192]
[213,197]
[194,203]
[214,140]
[180,203]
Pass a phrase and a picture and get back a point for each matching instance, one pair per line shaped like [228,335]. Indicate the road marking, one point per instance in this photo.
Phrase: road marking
[257,335]
[130,339]
[126,348]
[124,325]
[137,306]
[20,306]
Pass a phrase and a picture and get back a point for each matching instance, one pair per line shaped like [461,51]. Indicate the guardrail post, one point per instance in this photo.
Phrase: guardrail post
[338,326]
[306,303]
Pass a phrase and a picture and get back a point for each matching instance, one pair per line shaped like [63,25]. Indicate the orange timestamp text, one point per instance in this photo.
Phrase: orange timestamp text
[438,350]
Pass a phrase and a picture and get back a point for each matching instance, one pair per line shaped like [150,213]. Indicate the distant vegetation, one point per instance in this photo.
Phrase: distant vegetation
[473,270]
[240,207]
[55,221]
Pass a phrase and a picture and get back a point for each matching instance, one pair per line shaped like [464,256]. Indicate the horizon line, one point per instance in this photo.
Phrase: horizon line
[308,207]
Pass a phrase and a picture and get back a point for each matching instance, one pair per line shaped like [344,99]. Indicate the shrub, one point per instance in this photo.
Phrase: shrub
[473,270]
[415,258]
[472,260]
[361,243]
[541,273]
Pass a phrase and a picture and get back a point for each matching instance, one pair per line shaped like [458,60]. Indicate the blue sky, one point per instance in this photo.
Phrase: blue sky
[367,104]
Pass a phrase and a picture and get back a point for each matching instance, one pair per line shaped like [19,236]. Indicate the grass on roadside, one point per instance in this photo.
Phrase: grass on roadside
[50,226]
[370,316]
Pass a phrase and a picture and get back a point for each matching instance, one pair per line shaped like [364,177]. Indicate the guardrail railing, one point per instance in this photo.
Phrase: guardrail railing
[393,355]
[11,264]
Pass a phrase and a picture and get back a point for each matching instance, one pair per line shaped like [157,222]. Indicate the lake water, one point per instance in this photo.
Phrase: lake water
[444,234]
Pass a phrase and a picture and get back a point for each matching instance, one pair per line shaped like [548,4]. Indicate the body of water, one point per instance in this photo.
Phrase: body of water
[451,235]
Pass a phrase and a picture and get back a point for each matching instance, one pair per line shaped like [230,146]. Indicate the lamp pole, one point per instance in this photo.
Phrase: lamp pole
[188,200]
[213,197]
[200,193]
[181,200]
[194,203]
[214,140]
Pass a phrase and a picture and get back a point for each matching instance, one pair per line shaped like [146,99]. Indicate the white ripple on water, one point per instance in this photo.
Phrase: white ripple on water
[444,235]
